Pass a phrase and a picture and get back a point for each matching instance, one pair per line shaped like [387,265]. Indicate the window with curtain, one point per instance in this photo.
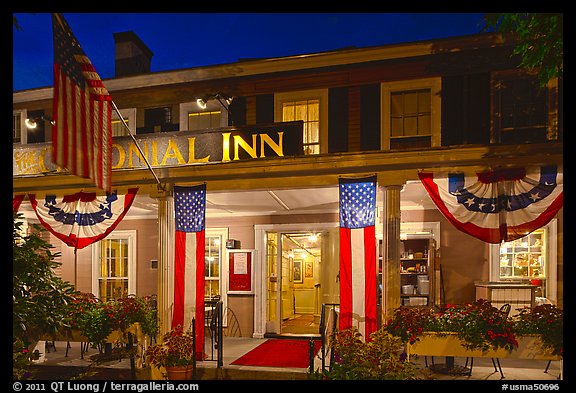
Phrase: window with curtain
[113,277]
[203,120]
[309,112]
[212,263]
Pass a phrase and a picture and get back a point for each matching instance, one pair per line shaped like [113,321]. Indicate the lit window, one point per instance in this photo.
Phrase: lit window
[203,120]
[309,112]
[114,265]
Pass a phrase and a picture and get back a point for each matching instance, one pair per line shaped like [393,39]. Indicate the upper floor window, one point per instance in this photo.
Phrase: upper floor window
[158,120]
[18,126]
[411,114]
[118,127]
[194,118]
[523,111]
[312,108]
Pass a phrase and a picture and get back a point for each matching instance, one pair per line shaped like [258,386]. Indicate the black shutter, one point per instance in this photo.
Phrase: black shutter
[370,117]
[237,115]
[265,109]
[452,123]
[338,120]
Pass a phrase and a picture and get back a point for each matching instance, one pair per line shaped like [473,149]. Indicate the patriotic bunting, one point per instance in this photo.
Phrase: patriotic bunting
[83,218]
[500,205]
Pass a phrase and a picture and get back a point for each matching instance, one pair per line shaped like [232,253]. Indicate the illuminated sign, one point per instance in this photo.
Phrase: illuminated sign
[180,148]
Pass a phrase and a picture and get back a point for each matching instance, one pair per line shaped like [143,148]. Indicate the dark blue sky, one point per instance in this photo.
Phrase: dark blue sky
[201,39]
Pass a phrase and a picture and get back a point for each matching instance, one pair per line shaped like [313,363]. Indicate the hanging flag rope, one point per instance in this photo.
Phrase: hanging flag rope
[82,218]
[358,255]
[500,205]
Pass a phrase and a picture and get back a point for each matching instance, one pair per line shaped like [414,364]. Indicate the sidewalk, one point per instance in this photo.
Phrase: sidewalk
[58,366]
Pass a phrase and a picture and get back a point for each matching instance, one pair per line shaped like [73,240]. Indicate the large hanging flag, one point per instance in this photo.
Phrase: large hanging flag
[499,205]
[83,218]
[82,111]
[358,255]
[190,210]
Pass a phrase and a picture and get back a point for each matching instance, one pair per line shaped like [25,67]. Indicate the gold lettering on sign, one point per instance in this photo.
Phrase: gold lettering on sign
[172,151]
[26,162]
[225,146]
[191,152]
[133,150]
[121,156]
[277,147]
[239,142]
[154,153]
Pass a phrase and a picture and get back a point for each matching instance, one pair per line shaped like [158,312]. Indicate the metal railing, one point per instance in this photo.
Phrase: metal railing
[328,325]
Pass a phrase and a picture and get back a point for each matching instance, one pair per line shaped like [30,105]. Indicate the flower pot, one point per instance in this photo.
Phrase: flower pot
[179,373]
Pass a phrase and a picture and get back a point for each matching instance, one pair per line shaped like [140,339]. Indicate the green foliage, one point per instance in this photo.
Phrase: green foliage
[540,40]
[382,357]
[39,297]
[175,349]
[547,320]
[479,325]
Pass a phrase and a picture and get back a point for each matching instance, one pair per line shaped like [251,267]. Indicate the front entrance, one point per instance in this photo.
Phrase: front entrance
[294,266]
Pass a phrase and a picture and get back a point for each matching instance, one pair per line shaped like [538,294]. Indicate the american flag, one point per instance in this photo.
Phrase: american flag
[358,255]
[82,111]
[190,209]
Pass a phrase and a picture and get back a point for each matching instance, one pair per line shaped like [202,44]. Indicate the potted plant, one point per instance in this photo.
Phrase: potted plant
[478,325]
[174,352]
[545,320]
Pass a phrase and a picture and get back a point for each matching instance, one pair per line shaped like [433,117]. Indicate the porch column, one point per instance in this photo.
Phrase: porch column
[166,229]
[391,251]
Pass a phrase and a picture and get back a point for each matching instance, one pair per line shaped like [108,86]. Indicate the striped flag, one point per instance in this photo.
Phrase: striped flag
[82,111]
[190,209]
[358,255]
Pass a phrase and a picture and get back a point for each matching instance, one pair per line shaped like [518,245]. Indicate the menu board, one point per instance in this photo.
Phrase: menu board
[240,271]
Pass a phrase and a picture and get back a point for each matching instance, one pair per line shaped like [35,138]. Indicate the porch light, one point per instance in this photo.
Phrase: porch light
[33,122]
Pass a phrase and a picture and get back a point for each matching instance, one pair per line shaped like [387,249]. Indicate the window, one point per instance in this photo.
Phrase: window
[531,258]
[411,114]
[114,265]
[18,127]
[193,118]
[118,128]
[158,120]
[522,109]
[312,108]
[214,256]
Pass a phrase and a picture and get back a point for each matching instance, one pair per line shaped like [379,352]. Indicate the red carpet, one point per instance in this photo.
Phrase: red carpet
[279,353]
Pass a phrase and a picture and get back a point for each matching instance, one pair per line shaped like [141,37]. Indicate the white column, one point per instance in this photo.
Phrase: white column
[391,251]
[166,229]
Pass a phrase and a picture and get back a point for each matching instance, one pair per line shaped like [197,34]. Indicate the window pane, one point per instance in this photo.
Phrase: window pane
[309,112]
[410,126]
[396,127]
[410,103]
[424,105]
[424,125]
[396,107]
[300,111]
[288,112]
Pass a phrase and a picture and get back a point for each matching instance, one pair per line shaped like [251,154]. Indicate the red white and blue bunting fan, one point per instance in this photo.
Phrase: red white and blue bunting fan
[499,205]
[82,218]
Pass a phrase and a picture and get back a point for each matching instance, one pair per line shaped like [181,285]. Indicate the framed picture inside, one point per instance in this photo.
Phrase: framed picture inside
[308,269]
[298,271]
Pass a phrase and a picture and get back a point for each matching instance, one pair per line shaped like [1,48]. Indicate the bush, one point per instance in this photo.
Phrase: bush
[380,358]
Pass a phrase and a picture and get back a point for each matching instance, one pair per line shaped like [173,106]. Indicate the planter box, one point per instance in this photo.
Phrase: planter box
[448,344]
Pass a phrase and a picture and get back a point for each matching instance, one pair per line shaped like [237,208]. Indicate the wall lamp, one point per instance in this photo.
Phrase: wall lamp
[224,99]
[33,122]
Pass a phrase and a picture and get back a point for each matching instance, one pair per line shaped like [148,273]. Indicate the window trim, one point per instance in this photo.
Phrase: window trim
[435,86]
[551,260]
[130,235]
[192,107]
[316,94]
[23,130]
[129,113]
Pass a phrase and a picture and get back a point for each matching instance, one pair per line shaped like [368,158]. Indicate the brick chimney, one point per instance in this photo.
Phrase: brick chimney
[132,55]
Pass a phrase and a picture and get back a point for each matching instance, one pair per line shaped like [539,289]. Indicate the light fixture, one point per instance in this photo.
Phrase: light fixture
[202,102]
[224,99]
[33,122]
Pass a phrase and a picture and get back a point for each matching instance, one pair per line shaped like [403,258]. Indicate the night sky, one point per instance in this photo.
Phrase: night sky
[188,40]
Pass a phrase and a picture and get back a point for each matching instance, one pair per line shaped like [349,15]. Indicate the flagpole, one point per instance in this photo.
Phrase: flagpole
[137,145]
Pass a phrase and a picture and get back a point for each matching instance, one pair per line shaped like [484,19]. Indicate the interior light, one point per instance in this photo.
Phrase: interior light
[313,237]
